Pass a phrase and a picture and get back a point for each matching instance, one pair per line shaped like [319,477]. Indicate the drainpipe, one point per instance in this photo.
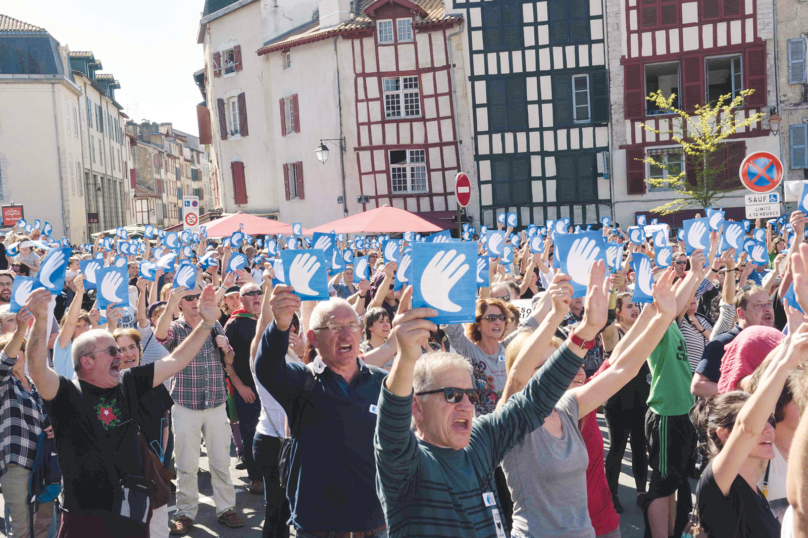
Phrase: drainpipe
[454,86]
[65,214]
[342,143]
[782,188]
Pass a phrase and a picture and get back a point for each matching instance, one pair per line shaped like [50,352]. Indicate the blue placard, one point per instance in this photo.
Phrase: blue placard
[757,252]
[148,231]
[166,262]
[20,290]
[496,244]
[536,244]
[297,229]
[641,220]
[759,234]
[280,274]
[636,235]
[337,263]
[347,255]
[803,204]
[361,269]
[236,239]
[171,240]
[185,276]
[483,276]
[37,225]
[660,239]
[576,253]
[186,237]
[654,222]
[121,261]
[614,256]
[716,219]
[512,219]
[643,278]
[47,229]
[306,273]
[789,296]
[113,288]
[732,237]
[747,225]
[605,222]
[391,250]
[237,261]
[291,243]
[404,272]
[51,275]
[562,226]
[324,242]
[444,236]
[148,270]
[697,234]
[441,279]
[501,218]
[664,256]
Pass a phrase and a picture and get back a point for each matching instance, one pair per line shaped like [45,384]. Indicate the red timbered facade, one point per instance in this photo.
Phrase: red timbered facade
[697,50]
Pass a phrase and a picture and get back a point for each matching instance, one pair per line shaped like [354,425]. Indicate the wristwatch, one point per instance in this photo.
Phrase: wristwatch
[580,342]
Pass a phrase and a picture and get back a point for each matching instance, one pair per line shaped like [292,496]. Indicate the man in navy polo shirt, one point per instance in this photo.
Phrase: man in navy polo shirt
[331,407]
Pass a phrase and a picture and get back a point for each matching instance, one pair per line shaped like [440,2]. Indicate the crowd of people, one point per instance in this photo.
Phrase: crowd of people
[359,417]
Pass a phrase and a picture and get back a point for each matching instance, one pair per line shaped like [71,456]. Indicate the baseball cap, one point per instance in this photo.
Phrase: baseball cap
[232,290]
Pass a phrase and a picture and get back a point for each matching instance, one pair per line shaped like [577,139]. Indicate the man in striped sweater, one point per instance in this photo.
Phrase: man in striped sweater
[438,480]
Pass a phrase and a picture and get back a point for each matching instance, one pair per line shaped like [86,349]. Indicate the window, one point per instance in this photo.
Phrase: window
[580,93]
[76,120]
[724,77]
[798,142]
[290,115]
[90,108]
[655,13]
[502,26]
[67,116]
[511,179]
[577,178]
[507,104]
[287,59]
[234,126]
[672,164]
[404,29]
[661,77]
[384,29]
[292,182]
[569,21]
[402,98]
[796,61]
[229,61]
[715,9]
[408,171]
[92,144]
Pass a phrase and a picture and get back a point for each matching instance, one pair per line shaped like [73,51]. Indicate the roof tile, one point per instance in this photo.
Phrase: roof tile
[7,24]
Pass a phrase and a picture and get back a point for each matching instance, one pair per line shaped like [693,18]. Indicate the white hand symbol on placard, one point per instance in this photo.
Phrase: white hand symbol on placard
[22,293]
[120,262]
[535,244]
[511,220]
[636,236]
[171,241]
[696,234]
[733,234]
[185,275]
[109,287]
[715,220]
[401,273]
[297,229]
[148,269]
[660,240]
[322,243]
[641,220]
[236,263]
[758,253]
[581,255]
[391,250]
[277,266]
[611,256]
[90,270]
[645,277]
[480,268]
[664,258]
[441,274]
[362,268]
[303,268]
[334,263]
[494,244]
[561,227]
[50,265]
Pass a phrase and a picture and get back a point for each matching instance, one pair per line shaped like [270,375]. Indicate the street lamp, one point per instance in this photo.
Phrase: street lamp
[774,121]
[322,149]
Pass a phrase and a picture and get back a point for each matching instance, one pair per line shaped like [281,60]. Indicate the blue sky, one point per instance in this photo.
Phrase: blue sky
[149,45]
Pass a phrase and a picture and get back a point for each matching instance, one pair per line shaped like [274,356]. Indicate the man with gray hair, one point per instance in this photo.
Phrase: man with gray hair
[331,407]
[93,418]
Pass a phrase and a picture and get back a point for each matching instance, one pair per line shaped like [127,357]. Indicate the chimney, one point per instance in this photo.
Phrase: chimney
[334,12]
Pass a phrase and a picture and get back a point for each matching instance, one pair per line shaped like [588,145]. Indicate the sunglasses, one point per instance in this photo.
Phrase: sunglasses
[252,293]
[681,263]
[495,317]
[112,351]
[454,395]
[190,298]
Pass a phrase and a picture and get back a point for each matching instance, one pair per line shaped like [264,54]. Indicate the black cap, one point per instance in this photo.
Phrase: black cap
[232,290]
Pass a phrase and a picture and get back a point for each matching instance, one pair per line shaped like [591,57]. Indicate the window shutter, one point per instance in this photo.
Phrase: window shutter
[239,184]
[203,122]
[634,88]
[567,178]
[798,140]
[237,57]
[283,118]
[562,100]
[599,96]
[649,17]
[796,61]
[690,171]
[242,115]
[736,152]
[497,105]
[296,113]
[517,104]
[755,64]
[222,118]
[732,8]
[635,171]
[286,181]
[132,178]
[299,167]
[670,15]
[217,64]
[709,9]
[693,74]
[159,186]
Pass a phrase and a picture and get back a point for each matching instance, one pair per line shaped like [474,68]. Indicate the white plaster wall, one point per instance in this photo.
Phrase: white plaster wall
[279,16]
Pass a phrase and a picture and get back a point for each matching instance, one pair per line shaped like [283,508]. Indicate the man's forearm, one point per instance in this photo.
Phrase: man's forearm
[182,355]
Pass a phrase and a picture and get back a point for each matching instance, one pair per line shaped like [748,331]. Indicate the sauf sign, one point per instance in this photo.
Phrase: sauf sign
[190,213]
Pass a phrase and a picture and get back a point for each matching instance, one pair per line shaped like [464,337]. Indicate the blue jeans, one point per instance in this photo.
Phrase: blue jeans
[266,450]
[248,414]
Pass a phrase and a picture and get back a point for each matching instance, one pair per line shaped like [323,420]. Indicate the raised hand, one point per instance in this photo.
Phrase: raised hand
[208,309]
[284,304]
[23,317]
[799,268]
[697,262]
[37,303]
[229,280]
[222,343]
[596,303]
[664,295]
[441,274]
[301,272]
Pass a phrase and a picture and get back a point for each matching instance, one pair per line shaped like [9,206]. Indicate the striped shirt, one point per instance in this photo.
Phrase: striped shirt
[695,341]
[23,418]
[427,490]
[200,385]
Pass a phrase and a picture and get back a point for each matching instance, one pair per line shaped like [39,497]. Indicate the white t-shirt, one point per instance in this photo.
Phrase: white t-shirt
[777,496]
[272,421]
[787,527]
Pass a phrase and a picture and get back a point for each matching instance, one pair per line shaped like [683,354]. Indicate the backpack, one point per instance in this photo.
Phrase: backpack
[46,477]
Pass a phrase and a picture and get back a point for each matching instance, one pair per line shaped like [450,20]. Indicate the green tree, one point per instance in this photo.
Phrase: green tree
[699,136]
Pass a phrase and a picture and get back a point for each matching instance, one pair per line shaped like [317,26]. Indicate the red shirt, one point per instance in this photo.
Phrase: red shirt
[599,497]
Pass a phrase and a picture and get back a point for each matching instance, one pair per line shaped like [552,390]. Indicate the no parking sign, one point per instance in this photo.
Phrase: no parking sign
[761,172]
[190,213]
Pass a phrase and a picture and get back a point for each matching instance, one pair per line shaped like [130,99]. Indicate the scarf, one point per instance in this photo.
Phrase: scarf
[241,313]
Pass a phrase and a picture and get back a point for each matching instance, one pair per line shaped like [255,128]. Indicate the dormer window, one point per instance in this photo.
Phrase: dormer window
[404,27]
[385,31]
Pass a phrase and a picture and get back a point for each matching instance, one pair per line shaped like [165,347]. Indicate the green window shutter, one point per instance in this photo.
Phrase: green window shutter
[798,139]
[565,178]
[562,100]
[579,20]
[559,22]
[492,26]
[520,186]
[599,96]
[587,178]
[512,26]
[517,104]
[501,174]
[796,61]
[497,105]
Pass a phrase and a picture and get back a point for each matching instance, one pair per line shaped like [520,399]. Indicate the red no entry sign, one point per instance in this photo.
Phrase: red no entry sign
[463,189]
[761,172]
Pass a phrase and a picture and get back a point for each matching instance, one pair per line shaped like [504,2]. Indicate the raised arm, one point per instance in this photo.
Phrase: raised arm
[142,291]
[45,379]
[66,332]
[265,317]
[12,349]
[164,322]
[381,291]
[797,481]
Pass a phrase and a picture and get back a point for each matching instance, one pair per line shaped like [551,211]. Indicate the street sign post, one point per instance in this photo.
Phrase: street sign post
[762,211]
[190,213]
[757,199]
[761,172]
[463,195]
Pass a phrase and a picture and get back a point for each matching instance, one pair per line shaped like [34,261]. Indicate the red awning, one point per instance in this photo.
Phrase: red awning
[381,220]
[253,225]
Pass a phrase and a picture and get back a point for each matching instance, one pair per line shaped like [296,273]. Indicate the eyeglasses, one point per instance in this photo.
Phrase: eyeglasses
[454,395]
[190,298]
[681,263]
[495,317]
[392,286]
[252,293]
[773,421]
[112,351]
[338,328]
[505,298]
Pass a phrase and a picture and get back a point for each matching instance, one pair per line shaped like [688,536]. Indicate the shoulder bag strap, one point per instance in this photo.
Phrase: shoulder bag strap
[100,436]
[151,337]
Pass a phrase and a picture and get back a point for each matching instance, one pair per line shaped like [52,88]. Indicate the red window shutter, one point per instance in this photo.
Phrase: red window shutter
[222,118]
[635,99]
[237,57]
[649,17]
[132,180]
[242,115]
[710,9]
[217,64]
[296,112]
[732,8]
[286,181]
[690,171]
[283,118]
[203,122]
[635,171]
[736,152]
[693,76]
[239,183]
[159,186]
[299,167]
[670,15]
[755,66]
